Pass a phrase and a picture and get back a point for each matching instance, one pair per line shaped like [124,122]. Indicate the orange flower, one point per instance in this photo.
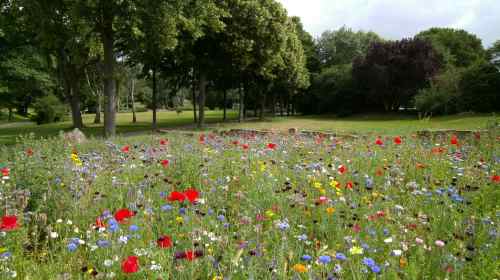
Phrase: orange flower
[300,268]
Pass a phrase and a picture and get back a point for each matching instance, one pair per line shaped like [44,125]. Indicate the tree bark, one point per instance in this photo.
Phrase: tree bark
[194,99]
[98,109]
[11,114]
[76,113]
[241,115]
[202,98]
[154,101]
[262,107]
[107,37]
[134,118]
[225,105]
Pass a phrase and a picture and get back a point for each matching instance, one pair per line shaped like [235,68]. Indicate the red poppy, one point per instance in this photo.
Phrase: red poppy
[191,195]
[379,142]
[165,163]
[349,185]
[122,215]
[8,223]
[130,264]
[271,146]
[164,242]
[5,171]
[236,142]
[164,142]
[29,152]
[190,255]
[126,149]
[245,146]
[398,140]
[495,178]
[176,196]
[342,169]
[454,140]
[202,138]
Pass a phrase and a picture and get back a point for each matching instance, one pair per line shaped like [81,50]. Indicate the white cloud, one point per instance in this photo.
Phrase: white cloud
[395,19]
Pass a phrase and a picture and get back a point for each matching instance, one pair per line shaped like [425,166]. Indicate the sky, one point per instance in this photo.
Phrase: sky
[396,19]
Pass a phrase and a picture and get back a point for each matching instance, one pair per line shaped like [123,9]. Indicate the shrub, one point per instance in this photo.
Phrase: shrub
[443,95]
[48,109]
[480,87]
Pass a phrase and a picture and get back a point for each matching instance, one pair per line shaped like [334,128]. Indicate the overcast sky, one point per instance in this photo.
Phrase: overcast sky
[395,19]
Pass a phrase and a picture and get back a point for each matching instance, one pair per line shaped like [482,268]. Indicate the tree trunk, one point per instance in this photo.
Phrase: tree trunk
[281,106]
[134,118]
[241,114]
[76,113]
[11,114]
[273,104]
[225,105]
[194,99]
[98,109]
[202,98]
[107,37]
[155,125]
[262,107]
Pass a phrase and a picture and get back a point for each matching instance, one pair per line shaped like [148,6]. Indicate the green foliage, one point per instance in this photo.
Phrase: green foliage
[458,47]
[480,87]
[494,54]
[48,109]
[342,46]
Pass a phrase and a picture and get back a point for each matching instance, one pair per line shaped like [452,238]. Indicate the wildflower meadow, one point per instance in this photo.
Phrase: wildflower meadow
[251,206]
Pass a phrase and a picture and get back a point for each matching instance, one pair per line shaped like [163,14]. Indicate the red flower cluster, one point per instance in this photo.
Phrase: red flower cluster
[8,223]
[454,140]
[122,215]
[379,141]
[164,242]
[398,140]
[189,194]
[495,178]
[165,163]
[164,142]
[271,146]
[342,169]
[5,171]
[126,149]
[130,264]
[189,255]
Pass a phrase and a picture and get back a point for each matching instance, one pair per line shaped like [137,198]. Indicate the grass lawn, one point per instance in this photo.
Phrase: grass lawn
[10,131]
[380,124]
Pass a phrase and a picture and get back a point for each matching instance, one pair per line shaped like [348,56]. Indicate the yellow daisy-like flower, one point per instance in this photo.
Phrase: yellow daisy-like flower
[300,268]
[317,185]
[179,219]
[356,250]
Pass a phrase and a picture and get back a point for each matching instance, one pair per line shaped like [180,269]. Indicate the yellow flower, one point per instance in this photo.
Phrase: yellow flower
[322,191]
[330,210]
[356,250]
[300,268]
[179,219]
[317,185]
[335,184]
[218,278]
[269,213]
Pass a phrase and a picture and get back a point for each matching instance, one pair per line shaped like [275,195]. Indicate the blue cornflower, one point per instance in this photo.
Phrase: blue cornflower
[133,228]
[103,243]
[182,211]
[302,237]
[375,268]
[283,225]
[72,247]
[166,207]
[113,225]
[221,218]
[368,261]
[306,258]
[325,259]
[340,257]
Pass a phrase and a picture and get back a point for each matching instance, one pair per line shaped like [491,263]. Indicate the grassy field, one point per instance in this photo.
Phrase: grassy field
[381,124]
[250,207]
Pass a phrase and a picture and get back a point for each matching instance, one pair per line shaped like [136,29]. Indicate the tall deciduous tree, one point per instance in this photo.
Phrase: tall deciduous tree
[457,47]
[392,72]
